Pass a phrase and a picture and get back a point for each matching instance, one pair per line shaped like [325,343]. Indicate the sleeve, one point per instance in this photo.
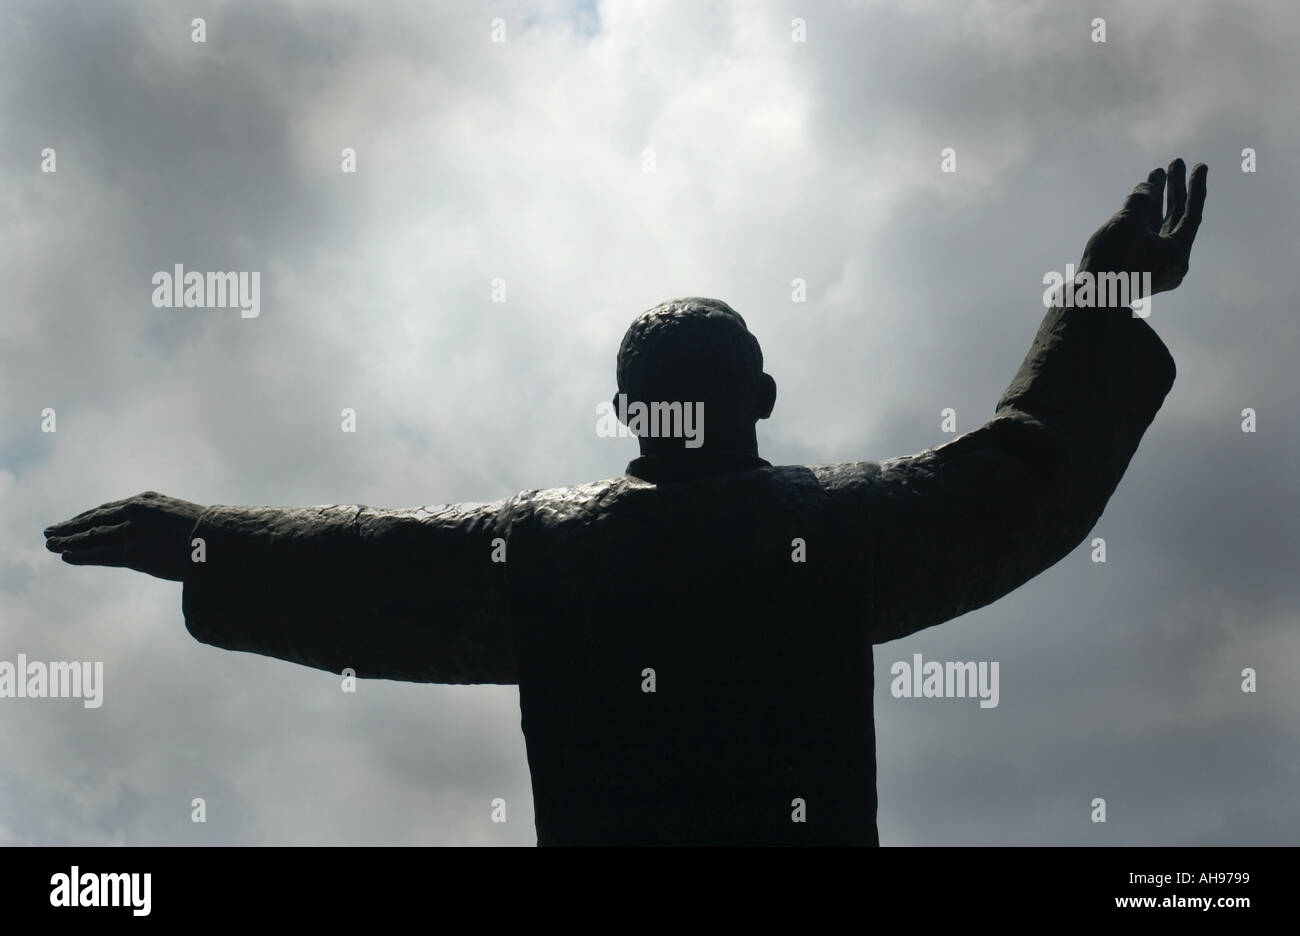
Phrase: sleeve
[393,594]
[956,527]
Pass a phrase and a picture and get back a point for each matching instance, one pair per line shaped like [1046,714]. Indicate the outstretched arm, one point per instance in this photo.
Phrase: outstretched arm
[392,594]
[954,528]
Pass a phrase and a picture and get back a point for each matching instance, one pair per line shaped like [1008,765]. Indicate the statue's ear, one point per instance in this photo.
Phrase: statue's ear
[614,402]
[766,396]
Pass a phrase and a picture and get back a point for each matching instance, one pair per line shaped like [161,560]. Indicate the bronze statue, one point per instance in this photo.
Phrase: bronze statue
[683,677]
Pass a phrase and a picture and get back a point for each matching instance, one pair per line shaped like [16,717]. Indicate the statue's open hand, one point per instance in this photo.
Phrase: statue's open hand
[1144,238]
[149,533]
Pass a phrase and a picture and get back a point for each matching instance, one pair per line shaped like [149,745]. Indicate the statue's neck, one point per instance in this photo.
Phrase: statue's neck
[666,469]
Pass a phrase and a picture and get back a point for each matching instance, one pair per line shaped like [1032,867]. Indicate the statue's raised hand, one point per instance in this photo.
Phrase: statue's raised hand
[149,533]
[1143,237]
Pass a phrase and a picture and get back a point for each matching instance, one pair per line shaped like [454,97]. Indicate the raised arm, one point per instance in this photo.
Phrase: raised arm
[397,594]
[954,528]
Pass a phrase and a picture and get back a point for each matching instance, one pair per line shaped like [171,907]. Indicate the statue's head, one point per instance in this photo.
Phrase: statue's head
[697,350]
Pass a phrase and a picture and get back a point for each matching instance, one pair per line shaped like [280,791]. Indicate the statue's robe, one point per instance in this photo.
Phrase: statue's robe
[762,666]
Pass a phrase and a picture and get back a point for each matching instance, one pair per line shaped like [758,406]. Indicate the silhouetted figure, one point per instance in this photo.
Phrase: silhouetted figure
[762,666]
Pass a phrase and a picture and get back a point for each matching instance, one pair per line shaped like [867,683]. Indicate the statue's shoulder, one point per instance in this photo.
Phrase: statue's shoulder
[592,500]
[575,502]
[851,477]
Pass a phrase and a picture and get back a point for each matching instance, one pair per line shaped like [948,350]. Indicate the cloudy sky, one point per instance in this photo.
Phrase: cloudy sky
[526,160]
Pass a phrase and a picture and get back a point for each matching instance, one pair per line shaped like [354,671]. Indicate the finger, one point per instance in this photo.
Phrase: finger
[1185,233]
[95,516]
[1156,179]
[1177,193]
[114,535]
[100,556]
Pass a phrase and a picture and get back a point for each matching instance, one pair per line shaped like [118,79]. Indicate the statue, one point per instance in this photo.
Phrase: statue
[692,640]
